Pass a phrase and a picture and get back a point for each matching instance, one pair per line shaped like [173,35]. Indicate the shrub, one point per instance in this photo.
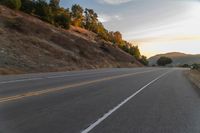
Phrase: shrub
[27,6]
[63,21]
[185,65]
[13,4]
[196,66]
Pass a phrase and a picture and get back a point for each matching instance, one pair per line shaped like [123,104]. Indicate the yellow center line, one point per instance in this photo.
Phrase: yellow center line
[36,93]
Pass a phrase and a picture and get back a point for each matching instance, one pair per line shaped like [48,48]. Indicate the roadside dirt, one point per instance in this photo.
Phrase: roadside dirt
[194,77]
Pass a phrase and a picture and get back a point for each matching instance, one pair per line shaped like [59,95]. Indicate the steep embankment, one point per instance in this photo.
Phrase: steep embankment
[28,44]
[178,58]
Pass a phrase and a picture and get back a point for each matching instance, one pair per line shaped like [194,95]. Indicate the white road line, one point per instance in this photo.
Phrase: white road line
[20,80]
[45,91]
[62,76]
[51,77]
[92,126]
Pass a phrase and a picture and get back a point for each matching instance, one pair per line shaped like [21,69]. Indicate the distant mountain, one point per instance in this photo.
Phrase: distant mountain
[178,58]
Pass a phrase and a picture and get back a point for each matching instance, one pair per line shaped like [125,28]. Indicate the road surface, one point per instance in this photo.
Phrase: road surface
[139,100]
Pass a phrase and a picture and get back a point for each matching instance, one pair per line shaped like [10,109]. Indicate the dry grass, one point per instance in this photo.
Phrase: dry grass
[1,31]
[194,76]
[30,45]
[7,71]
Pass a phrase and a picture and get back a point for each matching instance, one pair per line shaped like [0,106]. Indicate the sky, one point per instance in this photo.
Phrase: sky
[156,26]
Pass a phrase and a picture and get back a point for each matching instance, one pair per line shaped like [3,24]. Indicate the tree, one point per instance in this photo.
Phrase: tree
[136,52]
[118,37]
[54,4]
[62,19]
[144,60]
[162,61]
[43,10]
[77,15]
[132,50]
[91,20]
[13,4]
[28,6]
[102,32]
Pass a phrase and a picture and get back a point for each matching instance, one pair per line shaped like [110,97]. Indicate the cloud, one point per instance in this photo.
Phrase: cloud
[117,2]
[106,18]
[169,39]
[117,17]
[114,2]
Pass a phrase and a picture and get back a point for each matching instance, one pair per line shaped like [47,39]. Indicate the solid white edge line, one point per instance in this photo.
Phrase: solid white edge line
[92,126]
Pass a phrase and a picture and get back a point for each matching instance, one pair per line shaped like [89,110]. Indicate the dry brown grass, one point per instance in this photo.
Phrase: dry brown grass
[1,31]
[30,45]
[7,71]
[194,76]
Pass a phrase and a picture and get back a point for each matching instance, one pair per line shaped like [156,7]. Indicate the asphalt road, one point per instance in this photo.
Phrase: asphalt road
[139,100]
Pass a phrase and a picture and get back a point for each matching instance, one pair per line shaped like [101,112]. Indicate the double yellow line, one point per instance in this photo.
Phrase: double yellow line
[36,93]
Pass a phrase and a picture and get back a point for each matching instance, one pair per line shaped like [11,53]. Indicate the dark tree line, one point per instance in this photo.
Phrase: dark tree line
[163,61]
[52,13]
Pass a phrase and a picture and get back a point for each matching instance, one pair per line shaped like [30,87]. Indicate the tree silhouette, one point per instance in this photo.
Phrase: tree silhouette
[162,61]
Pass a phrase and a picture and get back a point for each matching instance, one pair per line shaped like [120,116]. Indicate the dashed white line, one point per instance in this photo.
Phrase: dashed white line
[20,80]
[92,126]
[48,77]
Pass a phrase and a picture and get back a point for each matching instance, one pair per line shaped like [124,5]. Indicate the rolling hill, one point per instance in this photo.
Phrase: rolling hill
[31,45]
[178,58]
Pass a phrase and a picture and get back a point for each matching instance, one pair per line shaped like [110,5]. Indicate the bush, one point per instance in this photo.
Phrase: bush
[13,4]
[43,10]
[162,61]
[196,66]
[185,65]
[27,6]
[63,21]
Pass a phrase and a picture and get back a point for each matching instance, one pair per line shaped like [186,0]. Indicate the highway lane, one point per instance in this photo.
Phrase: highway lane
[169,104]
[13,85]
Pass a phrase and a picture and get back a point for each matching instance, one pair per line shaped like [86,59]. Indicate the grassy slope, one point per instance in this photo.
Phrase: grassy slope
[31,45]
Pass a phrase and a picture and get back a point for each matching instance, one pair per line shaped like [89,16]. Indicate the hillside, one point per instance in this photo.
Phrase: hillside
[31,45]
[178,58]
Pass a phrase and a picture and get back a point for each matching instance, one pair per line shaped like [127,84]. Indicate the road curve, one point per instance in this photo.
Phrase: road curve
[139,100]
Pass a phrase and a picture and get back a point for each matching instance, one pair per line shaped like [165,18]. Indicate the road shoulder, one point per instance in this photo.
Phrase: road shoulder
[194,77]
